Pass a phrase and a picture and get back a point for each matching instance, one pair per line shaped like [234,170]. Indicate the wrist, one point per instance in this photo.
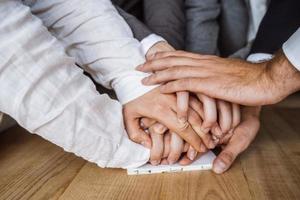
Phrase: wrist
[129,86]
[284,75]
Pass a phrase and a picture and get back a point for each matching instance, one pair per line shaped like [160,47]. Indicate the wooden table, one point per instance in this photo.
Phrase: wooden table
[31,168]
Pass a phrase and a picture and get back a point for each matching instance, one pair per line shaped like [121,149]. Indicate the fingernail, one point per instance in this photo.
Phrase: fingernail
[192,154]
[171,161]
[160,128]
[154,162]
[219,167]
[139,67]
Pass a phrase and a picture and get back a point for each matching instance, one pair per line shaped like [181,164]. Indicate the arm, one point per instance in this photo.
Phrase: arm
[96,35]
[47,94]
[142,33]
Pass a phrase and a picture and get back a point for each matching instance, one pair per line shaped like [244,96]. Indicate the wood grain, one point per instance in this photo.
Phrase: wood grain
[32,168]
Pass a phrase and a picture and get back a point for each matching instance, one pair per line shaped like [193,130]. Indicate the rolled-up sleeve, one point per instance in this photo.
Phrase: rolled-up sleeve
[291,49]
[47,94]
[102,43]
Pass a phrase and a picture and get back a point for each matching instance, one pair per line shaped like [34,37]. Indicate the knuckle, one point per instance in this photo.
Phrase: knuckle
[183,127]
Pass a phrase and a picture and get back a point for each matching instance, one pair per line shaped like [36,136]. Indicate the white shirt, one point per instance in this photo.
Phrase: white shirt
[46,93]
[291,49]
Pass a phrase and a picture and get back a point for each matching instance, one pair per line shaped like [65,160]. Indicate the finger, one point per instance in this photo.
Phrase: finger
[159,128]
[210,112]
[226,138]
[236,115]
[192,153]
[180,54]
[186,161]
[195,121]
[164,162]
[136,134]
[197,106]
[185,131]
[157,65]
[208,86]
[167,144]
[161,55]
[242,137]
[176,72]
[182,106]
[146,122]
[224,115]
[176,148]
[186,147]
[157,149]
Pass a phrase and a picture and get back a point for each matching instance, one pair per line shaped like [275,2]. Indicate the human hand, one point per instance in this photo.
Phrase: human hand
[235,80]
[169,145]
[182,97]
[174,145]
[239,140]
[161,108]
[210,116]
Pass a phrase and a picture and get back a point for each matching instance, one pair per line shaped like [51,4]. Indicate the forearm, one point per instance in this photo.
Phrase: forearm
[285,76]
[44,91]
[96,35]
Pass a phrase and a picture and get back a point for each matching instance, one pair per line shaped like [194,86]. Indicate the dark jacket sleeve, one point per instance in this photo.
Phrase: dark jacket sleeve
[140,31]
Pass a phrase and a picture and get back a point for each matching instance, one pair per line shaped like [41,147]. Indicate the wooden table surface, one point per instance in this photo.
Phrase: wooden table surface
[32,168]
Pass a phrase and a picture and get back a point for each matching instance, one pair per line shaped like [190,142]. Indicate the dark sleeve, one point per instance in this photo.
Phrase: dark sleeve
[167,19]
[202,26]
[280,22]
[140,31]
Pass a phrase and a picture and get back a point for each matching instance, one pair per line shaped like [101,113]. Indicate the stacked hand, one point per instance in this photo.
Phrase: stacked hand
[186,124]
[230,79]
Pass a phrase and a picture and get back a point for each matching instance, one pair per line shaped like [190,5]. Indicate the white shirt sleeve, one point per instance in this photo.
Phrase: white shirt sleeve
[150,41]
[291,49]
[95,34]
[47,94]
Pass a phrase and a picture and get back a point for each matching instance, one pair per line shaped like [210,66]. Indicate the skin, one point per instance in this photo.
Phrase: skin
[236,81]
[161,108]
[209,115]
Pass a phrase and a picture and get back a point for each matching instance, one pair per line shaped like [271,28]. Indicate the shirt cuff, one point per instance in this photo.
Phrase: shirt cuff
[291,49]
[129,86]
[259,57]
[149,41]
[129,155]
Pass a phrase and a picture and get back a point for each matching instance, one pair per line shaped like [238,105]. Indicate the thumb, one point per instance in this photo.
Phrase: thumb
[242,137]
[136,134]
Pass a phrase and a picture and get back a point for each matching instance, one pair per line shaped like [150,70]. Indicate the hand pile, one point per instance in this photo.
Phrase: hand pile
[183,124]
